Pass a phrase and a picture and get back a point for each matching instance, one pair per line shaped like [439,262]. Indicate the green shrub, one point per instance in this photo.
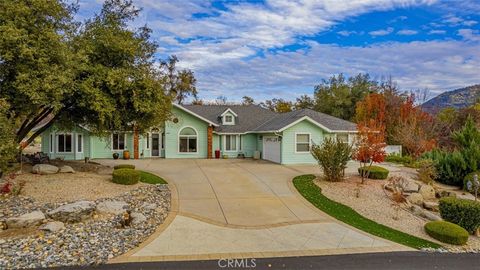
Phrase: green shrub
[465,213]
[374,172]
[469,177]
[395,158]
[447,232]
[125,176]
[332,156]
[426,171]
[450,166]
[124,166]
[150,178]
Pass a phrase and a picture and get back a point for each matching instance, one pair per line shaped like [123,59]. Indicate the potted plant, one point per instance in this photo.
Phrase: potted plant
[116,155]
[126,154]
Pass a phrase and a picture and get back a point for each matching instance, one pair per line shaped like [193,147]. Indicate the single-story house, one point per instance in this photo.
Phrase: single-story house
[198,131]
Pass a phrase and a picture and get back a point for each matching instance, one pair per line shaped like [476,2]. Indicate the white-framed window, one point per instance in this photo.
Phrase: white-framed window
[187,140]
[228,119]
[302,142]
[64,143]
[79,143]
[231,142]
[343,137]
[118,141]
[51,143]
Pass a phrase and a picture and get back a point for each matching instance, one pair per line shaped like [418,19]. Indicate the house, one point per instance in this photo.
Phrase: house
[197,131]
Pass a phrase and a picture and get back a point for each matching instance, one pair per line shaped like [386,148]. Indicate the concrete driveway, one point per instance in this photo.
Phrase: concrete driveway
[243,207]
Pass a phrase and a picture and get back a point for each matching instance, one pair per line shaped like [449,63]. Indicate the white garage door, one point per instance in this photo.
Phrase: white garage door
[271,148]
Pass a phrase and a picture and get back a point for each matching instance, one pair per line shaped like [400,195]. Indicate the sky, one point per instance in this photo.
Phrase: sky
[283,48]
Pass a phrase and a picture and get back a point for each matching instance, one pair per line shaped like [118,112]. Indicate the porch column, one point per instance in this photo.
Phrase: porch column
[209,141]
[135,144]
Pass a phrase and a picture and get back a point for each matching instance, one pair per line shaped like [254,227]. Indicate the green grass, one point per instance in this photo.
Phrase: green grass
[304,184]
[150,178]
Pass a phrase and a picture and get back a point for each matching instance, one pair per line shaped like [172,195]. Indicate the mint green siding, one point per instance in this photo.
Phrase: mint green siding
[172,131]
[289,156]
[247,146]
[50,145]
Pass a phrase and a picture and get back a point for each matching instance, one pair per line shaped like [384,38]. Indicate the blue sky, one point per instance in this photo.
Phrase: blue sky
[281,49]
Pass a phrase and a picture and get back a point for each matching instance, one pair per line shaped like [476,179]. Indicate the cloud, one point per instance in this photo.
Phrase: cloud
[381,32]
[407,32]
[437,32]
[346,33]
[469,34]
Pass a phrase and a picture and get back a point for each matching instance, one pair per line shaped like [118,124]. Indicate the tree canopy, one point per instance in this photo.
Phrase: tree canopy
[99,73]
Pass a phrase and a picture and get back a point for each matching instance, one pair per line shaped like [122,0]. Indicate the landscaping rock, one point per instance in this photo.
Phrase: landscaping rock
[66,169]
[44,169]
[427,191]
[466,196]
[73,212]
[412,187]
[415,198]
[112,207]
[137,218]
[445,193]
[419,211]
[53,226]
[26,220]
[149,206]
[432,206]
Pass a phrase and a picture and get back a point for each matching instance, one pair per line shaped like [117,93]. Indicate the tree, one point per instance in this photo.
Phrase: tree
[393,101]
[372,108]
[8,147]
[332,156]
[180,83]
[246,100]
[100,75]
[415,129]
[278,105]
[369,146]
[304,102]
[339,96]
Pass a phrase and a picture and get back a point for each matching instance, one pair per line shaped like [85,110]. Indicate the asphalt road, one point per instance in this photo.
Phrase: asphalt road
[370,261]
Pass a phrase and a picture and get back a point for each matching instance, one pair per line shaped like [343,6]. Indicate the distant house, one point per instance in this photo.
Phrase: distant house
[197,131]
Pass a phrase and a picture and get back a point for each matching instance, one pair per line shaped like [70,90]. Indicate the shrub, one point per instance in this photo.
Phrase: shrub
[426,171]
[374,172]
[332,155]
[469,177]
[395,158]
[451,166]
[150,178]
[124,166]
[465,213]
[126,176]
[447,232]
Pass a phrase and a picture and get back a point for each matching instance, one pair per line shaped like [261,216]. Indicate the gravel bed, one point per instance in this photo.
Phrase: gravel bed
[91,242]
[375,205]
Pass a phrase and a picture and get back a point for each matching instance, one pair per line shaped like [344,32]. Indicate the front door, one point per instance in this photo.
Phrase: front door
[155,145]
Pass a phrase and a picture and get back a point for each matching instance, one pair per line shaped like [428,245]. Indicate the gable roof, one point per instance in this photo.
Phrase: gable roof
[253,118]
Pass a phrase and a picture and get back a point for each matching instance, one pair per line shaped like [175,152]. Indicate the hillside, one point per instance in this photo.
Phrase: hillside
[459,98]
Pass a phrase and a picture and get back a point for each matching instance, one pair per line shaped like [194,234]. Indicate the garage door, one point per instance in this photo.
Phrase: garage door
[271,148]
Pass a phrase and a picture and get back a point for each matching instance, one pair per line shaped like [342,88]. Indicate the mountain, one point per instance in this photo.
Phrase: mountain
[459,98]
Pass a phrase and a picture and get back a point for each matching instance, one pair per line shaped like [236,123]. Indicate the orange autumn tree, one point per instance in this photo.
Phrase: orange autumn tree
[370,142]
[415,129]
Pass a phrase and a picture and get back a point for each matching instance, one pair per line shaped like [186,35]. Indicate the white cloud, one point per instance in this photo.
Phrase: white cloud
[469,34]
[437,32]
[407,32]
[381,32]
[346,33]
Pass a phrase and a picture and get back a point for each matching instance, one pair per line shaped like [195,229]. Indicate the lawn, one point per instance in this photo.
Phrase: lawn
[305,185]
[150,178]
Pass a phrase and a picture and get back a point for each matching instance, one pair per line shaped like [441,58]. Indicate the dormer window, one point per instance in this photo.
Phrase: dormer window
[228,120]
[228,117]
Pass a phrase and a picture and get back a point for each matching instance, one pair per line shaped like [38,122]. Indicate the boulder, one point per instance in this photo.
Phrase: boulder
[419,211]
[44,169]
[428,192]
[415,198]
[73,212]
[411,187]
[112,207]
[149,206]
[53,226]
[25,221]
[66,169]
[137,218]
[430,205]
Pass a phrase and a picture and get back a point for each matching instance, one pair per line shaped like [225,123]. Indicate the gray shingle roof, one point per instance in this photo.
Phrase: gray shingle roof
[255,118]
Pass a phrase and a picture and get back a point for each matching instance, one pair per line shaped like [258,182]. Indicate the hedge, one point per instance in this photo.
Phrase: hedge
[125,176]
[465,213]
[447,232]
[374,172]
[124,166]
